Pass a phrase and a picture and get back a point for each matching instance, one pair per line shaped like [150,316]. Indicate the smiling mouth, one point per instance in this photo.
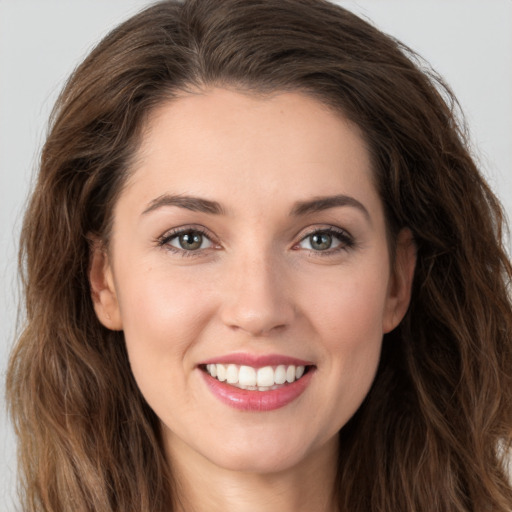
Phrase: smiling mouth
[266,378]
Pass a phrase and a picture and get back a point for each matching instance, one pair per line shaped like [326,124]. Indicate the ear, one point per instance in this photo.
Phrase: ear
[400,285]
[103,292]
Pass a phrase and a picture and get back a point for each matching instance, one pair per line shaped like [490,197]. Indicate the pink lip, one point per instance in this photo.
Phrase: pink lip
[257,361]
[247,400]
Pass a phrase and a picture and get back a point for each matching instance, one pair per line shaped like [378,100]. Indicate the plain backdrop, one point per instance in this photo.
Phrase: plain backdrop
[468,41]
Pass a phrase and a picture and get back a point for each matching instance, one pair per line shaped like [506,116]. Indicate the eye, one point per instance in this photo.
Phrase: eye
[324,240]
[187,240]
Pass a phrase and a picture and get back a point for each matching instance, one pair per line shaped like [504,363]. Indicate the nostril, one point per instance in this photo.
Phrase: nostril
[255,330]
[258,309]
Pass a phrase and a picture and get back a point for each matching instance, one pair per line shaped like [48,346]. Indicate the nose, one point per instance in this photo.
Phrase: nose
[257,297]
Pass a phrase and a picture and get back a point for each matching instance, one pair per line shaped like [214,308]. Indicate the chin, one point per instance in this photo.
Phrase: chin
[271,454]
[254,461]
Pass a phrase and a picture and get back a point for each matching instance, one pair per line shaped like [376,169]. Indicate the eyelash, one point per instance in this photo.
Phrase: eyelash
[346,240]
[164,240]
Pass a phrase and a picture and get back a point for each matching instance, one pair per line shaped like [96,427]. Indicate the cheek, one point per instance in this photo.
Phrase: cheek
[347,317]
[163,316]
[348,308]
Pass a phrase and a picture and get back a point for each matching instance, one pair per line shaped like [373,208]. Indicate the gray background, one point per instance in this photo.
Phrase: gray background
[468,41]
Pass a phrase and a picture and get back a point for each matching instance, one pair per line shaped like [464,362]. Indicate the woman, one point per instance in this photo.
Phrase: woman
[262,272]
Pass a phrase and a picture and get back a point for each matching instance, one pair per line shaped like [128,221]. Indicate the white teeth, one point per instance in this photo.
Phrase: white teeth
[261,379]
[221,372]
[232,374]
[265,376]
[247,376]
[280,374]
[212,369]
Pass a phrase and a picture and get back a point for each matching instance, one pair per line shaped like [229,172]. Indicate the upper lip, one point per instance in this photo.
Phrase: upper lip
[256,361]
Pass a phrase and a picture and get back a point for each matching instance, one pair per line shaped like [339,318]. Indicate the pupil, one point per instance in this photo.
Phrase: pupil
[321,241]
[191,241]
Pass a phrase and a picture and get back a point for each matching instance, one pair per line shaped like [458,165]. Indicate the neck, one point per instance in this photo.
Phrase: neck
[203,486]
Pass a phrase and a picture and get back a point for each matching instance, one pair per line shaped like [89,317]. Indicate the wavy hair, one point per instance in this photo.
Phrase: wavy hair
[434,431]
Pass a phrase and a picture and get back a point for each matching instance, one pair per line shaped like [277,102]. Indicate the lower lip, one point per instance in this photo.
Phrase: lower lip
[247,400]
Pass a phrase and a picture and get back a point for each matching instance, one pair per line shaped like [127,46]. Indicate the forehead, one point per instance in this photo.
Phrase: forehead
[242,147]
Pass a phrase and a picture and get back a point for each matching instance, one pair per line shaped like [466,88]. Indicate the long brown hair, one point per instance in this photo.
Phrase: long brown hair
[434,431]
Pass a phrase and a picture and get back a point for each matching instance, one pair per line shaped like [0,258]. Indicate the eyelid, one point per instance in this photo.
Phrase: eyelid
[347,241]
[163,240]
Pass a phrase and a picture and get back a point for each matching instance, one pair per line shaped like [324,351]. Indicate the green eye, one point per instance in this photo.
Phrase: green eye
[321,241]
[190,241]
[326,240]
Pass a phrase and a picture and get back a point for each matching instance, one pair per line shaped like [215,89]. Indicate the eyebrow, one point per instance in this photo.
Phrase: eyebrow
[196,204]
[319,204]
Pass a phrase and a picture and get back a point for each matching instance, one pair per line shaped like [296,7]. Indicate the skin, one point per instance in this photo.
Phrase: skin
[256,285]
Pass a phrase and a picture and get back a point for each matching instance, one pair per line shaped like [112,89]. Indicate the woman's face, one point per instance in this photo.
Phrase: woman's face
[249,248]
